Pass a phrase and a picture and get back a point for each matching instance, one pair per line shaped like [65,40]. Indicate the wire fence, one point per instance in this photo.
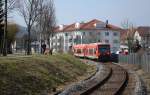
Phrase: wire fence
[142,60]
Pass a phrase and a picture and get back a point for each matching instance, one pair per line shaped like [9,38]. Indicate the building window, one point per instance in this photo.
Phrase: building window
[70,40]
[116,41]
[98,33]
[90,33]
[99,40]
[83,33]
[66,34]
[115,34]
[106,41]
[106,33]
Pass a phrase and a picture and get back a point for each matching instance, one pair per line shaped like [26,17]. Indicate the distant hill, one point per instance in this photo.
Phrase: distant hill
[22,31]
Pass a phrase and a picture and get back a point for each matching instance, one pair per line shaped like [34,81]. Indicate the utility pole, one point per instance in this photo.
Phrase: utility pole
[5,32]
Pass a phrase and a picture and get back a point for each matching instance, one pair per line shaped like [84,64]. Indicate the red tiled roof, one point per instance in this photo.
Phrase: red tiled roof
[90,24]
[143,30]
[70,27]
[86,26]
[57,29]
[110,26]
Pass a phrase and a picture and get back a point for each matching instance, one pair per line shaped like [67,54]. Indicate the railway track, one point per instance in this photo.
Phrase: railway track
[113,85]
[112,80]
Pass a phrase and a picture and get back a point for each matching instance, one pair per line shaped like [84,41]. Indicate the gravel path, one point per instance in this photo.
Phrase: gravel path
[135,85]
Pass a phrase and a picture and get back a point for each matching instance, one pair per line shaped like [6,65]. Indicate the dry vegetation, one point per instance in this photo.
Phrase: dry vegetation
[37,75]
[145,76]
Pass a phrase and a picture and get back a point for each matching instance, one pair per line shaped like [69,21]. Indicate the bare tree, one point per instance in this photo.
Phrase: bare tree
[50,21]
[47,20]
[130,32]
[11,5]
[29,10]
[126,24]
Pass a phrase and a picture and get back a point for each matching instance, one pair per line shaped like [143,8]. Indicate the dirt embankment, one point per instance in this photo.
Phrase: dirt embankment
[37,75]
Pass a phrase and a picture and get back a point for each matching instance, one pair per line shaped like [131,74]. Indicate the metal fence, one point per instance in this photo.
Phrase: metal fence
[142,60]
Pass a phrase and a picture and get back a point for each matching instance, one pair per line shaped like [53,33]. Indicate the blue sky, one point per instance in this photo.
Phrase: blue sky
[116,11]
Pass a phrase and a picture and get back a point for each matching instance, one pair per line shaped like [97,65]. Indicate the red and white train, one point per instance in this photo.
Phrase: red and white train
[99,51]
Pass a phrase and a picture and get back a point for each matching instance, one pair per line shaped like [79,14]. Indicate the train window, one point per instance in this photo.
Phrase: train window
[81,50]
[94,50]
[78,50]
[104,48]
[91,51]
[75,50]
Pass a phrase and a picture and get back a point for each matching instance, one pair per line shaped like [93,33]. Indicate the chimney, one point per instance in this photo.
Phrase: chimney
[77,25]
[61,27]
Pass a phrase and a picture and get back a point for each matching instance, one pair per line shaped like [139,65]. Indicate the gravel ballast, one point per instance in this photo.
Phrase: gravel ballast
[85,85]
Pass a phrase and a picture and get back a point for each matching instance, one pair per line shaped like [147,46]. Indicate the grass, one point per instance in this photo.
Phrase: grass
[38,74]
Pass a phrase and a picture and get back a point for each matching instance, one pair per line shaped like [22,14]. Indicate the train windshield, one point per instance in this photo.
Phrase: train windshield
[104,48]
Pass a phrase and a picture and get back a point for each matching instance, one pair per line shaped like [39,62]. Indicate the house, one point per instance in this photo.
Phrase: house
[126,36]
[140,34]
[86,32]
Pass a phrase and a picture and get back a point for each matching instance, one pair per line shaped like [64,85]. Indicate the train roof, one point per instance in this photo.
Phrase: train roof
[83,45]
[80,45]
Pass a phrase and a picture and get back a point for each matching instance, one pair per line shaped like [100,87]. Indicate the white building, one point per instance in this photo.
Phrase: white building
[142,34]
[83,33]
